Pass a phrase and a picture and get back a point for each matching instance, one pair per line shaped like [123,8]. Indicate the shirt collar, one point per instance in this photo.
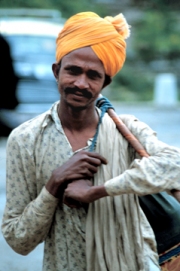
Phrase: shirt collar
[55,117]
[52,114]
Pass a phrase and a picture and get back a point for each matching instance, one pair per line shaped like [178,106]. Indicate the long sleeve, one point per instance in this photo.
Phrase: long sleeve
[159,172]
[28,214]
[32,215]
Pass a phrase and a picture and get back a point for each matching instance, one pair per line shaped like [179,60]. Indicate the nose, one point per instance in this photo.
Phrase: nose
[81,81]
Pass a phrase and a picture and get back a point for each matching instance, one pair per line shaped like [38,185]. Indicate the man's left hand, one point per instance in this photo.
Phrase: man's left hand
[83,191]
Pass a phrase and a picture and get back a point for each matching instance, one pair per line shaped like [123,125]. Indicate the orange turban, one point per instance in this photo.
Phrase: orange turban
[106,36]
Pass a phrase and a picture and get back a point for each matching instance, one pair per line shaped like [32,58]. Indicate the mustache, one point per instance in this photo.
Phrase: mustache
[84,92]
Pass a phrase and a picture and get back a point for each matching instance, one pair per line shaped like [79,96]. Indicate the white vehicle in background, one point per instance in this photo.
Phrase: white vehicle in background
[31,34]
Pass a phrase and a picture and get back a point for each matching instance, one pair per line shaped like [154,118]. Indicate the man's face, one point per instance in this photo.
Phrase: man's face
[81,78]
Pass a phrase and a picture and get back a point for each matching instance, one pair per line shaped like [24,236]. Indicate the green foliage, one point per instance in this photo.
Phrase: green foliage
[157,36]
[131,84]
[67,8]
[158,5]
[25,4]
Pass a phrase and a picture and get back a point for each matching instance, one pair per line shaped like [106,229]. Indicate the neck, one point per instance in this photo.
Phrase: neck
[79,126]
[78,120]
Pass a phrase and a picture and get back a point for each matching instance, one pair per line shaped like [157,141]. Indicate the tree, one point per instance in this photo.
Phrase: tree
[158,36]
[67,8]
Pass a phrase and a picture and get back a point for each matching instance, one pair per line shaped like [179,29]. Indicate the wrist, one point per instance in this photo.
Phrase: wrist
[97,192]
[55,188]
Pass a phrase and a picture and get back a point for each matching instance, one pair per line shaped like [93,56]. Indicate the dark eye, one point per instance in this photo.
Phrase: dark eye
[73,70]
[93,75]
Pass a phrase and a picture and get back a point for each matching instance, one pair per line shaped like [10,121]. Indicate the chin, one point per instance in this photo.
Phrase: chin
[76,106]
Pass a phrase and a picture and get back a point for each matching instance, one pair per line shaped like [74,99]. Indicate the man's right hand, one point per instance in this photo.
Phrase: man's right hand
[82,165]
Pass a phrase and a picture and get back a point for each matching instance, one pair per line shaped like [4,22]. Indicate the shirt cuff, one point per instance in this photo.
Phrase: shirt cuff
[113,187]
[45,203]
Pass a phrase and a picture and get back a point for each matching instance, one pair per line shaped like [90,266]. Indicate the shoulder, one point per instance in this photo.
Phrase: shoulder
[133,124]
[136,126]
[29,130]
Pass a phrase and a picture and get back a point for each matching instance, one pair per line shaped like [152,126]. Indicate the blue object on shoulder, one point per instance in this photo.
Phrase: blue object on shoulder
[103,104]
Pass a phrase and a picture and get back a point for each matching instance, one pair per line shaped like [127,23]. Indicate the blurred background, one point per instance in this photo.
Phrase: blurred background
[148,86]
[150,74]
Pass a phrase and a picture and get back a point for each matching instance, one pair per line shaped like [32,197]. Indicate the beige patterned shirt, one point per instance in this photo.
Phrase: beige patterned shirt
[32,215]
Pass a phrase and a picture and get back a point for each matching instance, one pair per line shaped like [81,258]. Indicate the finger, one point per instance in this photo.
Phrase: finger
[86,171]
[91,157]
[82,181]
[96,161]
[91,170]
[89,182]
[98,157]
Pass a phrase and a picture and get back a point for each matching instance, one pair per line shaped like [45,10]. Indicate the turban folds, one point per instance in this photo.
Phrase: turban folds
[106,36]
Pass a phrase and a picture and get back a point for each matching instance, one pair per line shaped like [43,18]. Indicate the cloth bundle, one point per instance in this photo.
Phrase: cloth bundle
[113,228]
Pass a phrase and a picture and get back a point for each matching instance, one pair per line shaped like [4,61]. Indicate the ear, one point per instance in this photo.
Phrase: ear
[107,81]
[55,69]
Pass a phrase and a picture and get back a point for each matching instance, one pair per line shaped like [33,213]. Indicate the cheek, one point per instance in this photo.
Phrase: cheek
[66,79]
[97,86]
[61,87]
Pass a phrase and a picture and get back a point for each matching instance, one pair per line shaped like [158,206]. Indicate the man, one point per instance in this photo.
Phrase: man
[72,178]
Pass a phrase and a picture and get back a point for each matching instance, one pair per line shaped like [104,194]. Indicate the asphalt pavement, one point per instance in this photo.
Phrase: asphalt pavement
[164,120]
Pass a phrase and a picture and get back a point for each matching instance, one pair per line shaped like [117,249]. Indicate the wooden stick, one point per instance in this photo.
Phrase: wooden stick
[122,128]
[127,134]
